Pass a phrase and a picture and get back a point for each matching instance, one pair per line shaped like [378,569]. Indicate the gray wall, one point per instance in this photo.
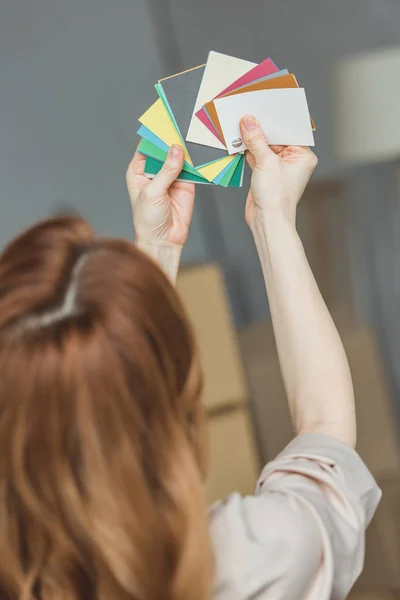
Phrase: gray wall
[306,36]
[74,77]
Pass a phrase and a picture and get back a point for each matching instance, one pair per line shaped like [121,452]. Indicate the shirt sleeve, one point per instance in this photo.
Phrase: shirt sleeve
[302,534]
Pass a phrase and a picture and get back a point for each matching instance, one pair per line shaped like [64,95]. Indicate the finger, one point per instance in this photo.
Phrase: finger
[302,153]
[278,149]
[183,186]
[312,158]
[309,153]
[251,161]
[170,170]
[254,139]
[137,164]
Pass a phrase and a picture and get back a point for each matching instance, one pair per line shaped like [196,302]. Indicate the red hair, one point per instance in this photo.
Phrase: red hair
[101,451]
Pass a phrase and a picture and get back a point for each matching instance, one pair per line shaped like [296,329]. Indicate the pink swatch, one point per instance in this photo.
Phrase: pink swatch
[202,115]
[266,67]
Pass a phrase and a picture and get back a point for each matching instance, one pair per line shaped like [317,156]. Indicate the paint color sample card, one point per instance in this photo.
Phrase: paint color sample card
[157,119]
[181,93]
[282,113]
[159,122]
[205,116]
[234,179]
[286,81]
[221,70]
[200,110]
[266,68]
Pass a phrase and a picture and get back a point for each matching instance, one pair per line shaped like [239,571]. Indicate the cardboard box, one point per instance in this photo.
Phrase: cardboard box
[267,392]
[382,560]
[371,596]
[378,442]
[233,455]
[203,293]
[377,438]
[234,461]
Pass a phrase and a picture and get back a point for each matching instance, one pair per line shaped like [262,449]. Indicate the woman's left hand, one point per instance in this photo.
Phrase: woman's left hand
[162,207]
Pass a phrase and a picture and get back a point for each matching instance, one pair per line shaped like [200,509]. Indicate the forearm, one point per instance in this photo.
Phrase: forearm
[165,254]
[313,361]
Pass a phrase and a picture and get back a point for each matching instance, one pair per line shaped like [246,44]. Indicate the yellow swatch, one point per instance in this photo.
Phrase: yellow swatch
[211,171]
[157,119]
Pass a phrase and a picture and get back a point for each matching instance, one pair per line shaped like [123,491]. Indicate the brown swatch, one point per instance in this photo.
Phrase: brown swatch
[283,82]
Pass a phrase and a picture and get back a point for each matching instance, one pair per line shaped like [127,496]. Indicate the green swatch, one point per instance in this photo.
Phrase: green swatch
[149,149]
[236,180]
[153,166]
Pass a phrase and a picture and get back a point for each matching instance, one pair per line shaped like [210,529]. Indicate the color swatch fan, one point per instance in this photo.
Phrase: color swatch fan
[200,109]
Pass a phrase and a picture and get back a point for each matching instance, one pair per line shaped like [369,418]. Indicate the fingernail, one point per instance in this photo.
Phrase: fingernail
[249,122]
[175,151]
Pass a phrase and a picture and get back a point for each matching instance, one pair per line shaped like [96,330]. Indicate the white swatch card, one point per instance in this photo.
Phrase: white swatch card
[221,70]
[282,113]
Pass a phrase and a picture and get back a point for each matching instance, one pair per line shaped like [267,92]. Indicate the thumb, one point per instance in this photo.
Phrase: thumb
[170,170]
[254,138]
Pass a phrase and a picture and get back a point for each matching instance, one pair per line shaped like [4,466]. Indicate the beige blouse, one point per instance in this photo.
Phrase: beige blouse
[301,536]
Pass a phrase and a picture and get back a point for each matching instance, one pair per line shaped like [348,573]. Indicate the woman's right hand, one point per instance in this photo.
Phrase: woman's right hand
[280,174]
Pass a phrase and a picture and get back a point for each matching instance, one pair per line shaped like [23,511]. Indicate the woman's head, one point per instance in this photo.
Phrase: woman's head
[101,452]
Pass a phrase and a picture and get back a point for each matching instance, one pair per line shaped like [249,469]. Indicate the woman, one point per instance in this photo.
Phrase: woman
[102,450]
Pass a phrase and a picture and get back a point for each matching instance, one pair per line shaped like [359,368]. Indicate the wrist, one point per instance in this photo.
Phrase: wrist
[274,238]
[271,222]
[158,243]
[274,210]
[166,254]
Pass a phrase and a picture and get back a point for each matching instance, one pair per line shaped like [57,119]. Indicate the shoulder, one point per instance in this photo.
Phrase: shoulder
[263,542]
[303,529]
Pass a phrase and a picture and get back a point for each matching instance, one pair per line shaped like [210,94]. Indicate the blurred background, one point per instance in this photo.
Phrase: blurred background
[74,78]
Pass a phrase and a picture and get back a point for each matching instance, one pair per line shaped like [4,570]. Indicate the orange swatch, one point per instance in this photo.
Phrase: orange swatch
[283,82]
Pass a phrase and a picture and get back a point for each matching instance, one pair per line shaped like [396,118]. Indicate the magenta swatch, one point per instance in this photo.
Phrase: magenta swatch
[266,67]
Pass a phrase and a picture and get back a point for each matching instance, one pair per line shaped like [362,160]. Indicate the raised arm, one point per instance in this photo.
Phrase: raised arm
[162,210]
[312,358]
